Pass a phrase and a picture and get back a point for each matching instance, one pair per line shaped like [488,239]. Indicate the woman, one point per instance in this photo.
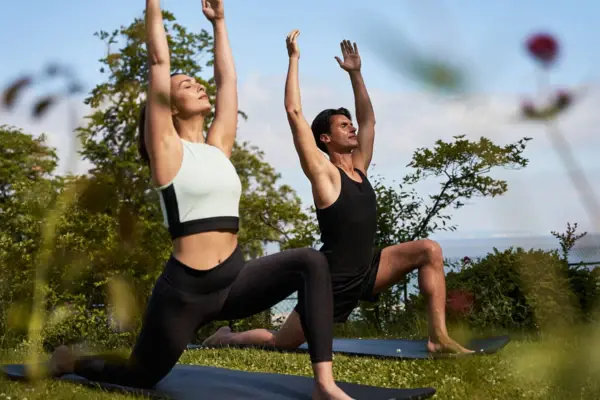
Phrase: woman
[206,278]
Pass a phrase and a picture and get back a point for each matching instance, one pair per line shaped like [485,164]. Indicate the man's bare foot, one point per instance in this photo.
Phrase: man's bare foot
[61,362]
[446,345]
[218,337]
[329,392]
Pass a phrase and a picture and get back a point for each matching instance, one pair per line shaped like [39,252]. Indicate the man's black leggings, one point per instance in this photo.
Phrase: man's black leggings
[184,299]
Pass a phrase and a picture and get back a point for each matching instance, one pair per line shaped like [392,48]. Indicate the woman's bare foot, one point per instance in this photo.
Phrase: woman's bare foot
[61,362]
[329,392]
[217,337]
[446,345]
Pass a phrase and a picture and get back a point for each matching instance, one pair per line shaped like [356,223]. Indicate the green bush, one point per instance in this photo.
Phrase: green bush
[91,326]
[528,290]
[585,283]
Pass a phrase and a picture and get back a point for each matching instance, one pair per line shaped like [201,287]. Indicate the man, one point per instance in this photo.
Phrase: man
[347,212]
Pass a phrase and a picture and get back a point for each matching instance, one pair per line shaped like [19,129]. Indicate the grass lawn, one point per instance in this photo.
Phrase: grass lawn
[564,367]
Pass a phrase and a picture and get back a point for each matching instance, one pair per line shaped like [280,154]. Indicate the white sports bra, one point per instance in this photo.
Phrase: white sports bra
[204,195]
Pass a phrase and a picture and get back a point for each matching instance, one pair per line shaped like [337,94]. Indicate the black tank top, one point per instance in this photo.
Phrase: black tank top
[348,229]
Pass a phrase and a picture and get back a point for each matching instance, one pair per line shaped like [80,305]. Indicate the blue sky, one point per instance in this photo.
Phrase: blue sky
[486,36]
[489,33]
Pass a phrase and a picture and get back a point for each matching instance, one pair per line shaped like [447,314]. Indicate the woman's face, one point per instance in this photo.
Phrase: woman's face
[188,97]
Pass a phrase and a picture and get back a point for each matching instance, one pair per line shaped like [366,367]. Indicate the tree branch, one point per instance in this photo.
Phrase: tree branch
[431,212]
[275,228]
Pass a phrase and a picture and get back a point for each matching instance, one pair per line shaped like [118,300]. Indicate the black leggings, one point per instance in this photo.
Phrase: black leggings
[185,299]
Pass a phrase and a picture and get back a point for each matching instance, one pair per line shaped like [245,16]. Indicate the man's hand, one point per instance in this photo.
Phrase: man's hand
[213,10]
[351,57]
[292,44]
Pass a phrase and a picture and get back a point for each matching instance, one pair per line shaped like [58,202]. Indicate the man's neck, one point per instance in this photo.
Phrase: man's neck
[343,161]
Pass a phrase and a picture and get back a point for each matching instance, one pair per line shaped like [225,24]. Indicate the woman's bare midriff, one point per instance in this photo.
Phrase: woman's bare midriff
[205,250]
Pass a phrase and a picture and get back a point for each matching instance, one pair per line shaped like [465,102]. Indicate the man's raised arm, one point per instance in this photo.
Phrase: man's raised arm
[313,162]
[365,116]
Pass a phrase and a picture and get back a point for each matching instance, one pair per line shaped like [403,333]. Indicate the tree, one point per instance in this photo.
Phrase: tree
[26,187]
[585,281]
[568,239]
[22,157]
[463,169]
[463,166]
[27,190]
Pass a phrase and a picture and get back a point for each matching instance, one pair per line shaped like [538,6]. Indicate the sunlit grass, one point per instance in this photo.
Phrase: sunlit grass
[559,367]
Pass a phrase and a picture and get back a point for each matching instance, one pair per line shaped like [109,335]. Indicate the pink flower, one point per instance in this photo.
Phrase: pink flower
[543,47]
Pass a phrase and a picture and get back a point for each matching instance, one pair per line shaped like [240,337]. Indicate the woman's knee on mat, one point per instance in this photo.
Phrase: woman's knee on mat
[144,380]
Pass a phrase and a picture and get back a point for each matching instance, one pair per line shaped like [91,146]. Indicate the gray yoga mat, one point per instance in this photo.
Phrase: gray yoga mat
[187,382]
[391,348]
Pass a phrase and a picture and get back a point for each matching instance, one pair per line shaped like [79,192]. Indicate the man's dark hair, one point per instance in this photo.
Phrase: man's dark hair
[322,124]
[142,150]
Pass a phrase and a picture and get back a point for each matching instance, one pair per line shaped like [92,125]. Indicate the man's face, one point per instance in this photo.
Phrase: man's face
[342,137]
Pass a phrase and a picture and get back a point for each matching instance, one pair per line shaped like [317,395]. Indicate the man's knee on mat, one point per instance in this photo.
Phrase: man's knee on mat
[291,334]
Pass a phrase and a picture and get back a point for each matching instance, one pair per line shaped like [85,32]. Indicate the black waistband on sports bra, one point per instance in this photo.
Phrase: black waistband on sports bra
[180,229]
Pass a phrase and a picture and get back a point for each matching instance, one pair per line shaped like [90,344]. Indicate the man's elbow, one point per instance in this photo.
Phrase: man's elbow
[369,121]
[366,123]
[293,111]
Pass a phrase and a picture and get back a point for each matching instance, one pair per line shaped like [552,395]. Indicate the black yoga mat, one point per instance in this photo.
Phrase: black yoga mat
[200,382]
[393,348]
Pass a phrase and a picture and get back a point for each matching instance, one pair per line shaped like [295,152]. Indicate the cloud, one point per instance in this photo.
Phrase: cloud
[535,204]
[405,120]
